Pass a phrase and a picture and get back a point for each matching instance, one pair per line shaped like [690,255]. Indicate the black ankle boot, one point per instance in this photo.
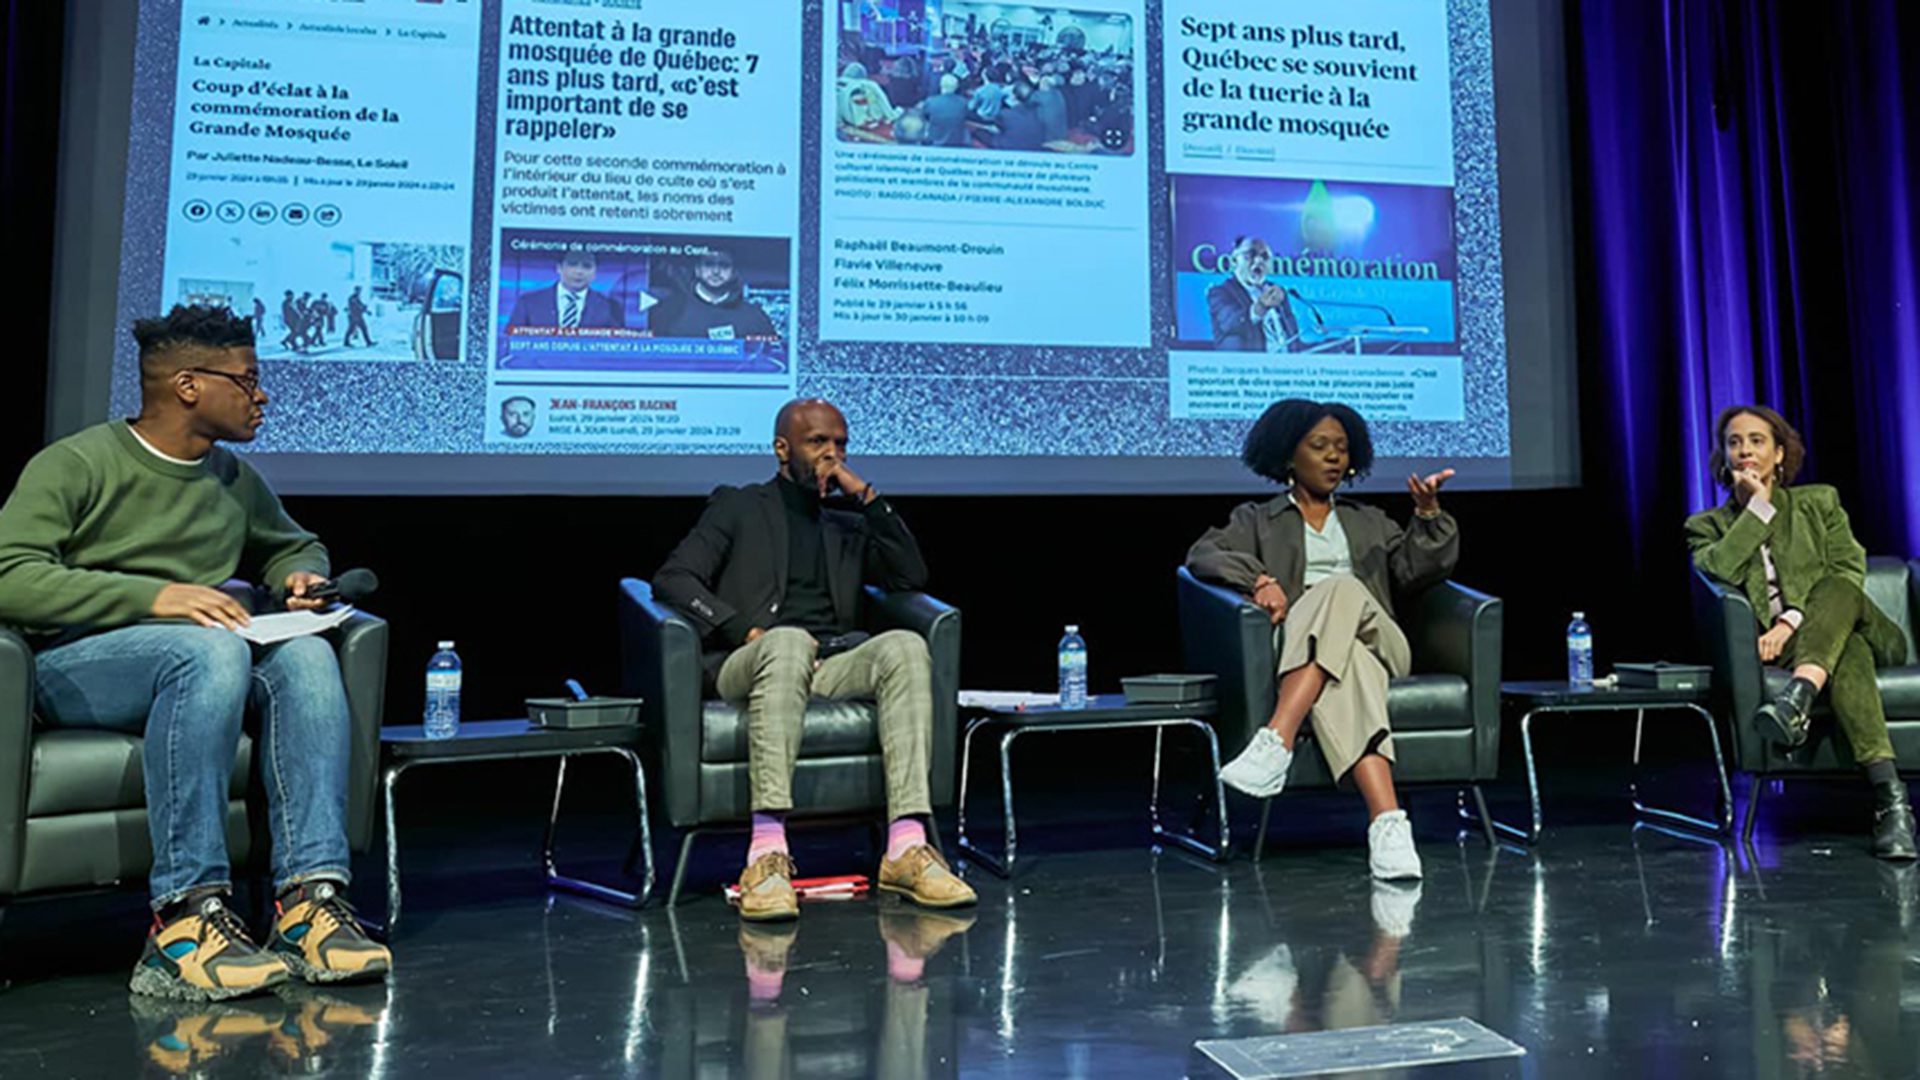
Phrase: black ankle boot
[1785,718]
[1892,821]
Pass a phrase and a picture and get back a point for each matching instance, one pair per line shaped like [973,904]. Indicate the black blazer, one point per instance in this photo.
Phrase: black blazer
[1233,327]
[542,309]
[730,573]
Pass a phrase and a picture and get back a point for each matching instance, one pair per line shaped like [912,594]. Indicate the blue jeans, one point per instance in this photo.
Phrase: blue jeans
[187,688]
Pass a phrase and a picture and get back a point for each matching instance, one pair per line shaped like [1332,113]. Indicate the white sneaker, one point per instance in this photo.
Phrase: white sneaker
[1393,906]
[1261,769]
[1390,851]
[1266,989]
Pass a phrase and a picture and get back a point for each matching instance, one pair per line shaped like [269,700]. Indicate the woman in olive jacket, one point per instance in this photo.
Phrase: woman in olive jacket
[1792,553]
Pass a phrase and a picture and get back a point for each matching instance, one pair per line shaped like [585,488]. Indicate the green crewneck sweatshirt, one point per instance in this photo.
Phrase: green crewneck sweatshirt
[99,523]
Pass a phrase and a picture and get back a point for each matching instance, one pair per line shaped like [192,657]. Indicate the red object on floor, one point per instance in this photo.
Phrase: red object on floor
[819,888]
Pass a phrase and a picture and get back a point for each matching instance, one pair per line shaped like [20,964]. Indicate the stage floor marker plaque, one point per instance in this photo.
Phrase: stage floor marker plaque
[1390,1046]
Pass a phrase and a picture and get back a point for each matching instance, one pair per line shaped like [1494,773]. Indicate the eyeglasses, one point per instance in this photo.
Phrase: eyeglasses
[248,382]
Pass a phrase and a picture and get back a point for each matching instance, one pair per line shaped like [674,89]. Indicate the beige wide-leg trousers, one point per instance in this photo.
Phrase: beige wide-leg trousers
[1340,626]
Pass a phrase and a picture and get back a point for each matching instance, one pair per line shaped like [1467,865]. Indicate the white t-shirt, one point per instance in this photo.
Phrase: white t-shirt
[155,451]
[1327,551]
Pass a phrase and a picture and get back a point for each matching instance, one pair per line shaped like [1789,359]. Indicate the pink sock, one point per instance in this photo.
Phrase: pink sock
[904,833]
[903,966]
[769,834]
[764,985]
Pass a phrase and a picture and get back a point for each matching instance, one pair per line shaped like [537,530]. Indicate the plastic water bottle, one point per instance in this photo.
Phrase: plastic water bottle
[443,693]
[1580,650]
[1073,670]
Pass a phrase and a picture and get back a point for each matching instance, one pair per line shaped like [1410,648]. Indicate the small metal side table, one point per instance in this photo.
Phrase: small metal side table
[1104,712]
[404,748]
[1547,697]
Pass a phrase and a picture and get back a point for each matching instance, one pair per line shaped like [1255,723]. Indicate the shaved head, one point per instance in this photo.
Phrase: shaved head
[809,439]
[792,412]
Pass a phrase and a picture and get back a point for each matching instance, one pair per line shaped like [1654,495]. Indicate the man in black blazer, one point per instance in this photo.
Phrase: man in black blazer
[1250,313]
[773,576]
[570,303]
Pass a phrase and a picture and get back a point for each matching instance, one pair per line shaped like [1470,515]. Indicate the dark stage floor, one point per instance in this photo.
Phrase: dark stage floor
[1611,952]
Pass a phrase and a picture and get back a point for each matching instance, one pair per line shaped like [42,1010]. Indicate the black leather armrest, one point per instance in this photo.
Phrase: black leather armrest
[16,754]
[939,623]
[660,664]
[361,644]
[1727,628]
[1454,630]
[1222,634]
[1913,604]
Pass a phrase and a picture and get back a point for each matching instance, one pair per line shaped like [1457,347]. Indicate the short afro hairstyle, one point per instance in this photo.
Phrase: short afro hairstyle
[1783,434]
[188,326]
[1274,437]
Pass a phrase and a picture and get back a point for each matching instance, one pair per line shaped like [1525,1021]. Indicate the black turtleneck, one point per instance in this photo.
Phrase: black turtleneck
[808,603]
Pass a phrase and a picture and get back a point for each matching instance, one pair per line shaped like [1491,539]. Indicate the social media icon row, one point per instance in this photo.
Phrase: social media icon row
[232,212]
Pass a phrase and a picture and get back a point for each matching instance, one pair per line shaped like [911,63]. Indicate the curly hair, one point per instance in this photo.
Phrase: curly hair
[187,326]
[1783,434]
[1274,437]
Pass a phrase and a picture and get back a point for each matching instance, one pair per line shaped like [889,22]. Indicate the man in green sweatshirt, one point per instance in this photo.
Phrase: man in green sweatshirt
[112,549]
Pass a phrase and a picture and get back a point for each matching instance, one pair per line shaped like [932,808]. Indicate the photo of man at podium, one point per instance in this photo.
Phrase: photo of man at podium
[1313,267]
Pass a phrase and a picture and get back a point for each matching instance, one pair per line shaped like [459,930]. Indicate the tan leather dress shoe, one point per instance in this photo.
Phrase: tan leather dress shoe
[766,889]
[922,876]
[920,934]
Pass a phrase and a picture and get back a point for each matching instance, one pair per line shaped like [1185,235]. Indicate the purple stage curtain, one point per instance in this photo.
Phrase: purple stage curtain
[1745,178]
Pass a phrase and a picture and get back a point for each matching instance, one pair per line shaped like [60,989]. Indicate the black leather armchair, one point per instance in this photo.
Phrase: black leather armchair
[1445,716]
[699,746]
[1741,683]
[73,810]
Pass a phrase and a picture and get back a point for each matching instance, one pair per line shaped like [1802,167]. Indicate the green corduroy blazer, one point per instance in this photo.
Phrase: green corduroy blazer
[1809,539]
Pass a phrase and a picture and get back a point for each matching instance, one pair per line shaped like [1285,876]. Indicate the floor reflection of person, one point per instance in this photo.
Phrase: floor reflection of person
[1328,567]
[1334,987]
[303,1031]
[911,938]
[1834,988]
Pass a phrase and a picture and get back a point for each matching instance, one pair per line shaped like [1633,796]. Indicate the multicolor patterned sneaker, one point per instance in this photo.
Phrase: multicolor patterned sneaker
[317,935]
[192,1038]
[204,954]
[322,1026]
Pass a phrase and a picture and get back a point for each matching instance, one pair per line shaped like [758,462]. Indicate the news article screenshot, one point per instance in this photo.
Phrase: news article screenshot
[981,163]
[1310,158]
[315,188]
[644,248]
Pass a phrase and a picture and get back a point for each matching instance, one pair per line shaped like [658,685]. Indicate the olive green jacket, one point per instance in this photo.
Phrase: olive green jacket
[1809,539]
[1271,538]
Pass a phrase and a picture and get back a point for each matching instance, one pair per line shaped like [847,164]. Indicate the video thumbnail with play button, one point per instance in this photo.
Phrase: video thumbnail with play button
[589,301]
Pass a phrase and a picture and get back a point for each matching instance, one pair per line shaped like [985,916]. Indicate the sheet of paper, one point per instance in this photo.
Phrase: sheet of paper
[287,625]
[1004,699]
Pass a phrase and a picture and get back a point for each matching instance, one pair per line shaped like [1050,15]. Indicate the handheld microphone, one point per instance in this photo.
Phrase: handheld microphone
[350,587]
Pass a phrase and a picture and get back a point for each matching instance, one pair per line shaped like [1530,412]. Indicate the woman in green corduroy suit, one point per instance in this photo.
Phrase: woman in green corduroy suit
[1792,552]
